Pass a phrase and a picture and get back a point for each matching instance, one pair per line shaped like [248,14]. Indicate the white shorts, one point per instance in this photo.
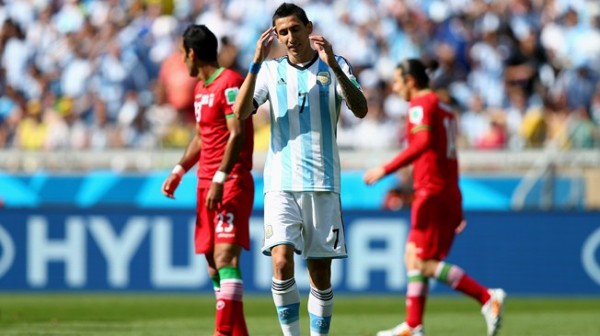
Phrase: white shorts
[311,222]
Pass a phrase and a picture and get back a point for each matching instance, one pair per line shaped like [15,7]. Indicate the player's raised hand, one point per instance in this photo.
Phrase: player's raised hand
[170,185]
[263,45]
[373,175]
[324,49]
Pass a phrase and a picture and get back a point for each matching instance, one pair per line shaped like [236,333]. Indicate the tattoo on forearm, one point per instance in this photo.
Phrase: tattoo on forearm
[354,97]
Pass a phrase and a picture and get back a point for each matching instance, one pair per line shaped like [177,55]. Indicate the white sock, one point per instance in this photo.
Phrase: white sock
[320,309]
[287,301]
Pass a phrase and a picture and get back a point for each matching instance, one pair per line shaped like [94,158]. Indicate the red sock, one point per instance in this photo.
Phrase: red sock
[239,324]
[472,288]
[230,310]
[415,306]
[224,317]
[416,296]
[459,280]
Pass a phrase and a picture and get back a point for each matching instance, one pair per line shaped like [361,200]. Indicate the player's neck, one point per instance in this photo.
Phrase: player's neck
[420,92]
[303,59]
[207,71]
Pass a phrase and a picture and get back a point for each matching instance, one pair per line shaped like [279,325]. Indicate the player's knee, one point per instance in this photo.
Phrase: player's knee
[226,258]
[320,278]
[410,257]
[428,267]
[282,264]
[414,264]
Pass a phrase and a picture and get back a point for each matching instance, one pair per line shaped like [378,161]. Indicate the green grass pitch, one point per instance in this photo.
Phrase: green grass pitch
[190,314]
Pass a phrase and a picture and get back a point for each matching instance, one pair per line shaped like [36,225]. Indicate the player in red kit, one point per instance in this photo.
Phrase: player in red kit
[436,214]
[222,148]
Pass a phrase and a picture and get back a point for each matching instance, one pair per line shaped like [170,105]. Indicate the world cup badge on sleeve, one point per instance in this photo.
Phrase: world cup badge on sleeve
[415,115]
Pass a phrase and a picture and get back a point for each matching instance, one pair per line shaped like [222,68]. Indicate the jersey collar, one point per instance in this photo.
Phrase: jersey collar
[214,76]
[299,67]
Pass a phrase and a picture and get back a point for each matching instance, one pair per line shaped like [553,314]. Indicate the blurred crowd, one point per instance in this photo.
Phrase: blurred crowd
[103,74]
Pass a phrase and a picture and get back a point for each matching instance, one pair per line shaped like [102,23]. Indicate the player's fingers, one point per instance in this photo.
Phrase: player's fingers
[165,188]
[267,35]
[267,32]
[319,40]
[461,227]
[268,41]
[371,177]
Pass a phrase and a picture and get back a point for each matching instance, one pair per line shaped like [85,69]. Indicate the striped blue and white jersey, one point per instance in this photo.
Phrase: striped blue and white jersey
[305,106]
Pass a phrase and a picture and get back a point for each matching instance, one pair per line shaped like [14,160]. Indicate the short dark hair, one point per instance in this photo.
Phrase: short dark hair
[417,70]
[202,41]
[289,9]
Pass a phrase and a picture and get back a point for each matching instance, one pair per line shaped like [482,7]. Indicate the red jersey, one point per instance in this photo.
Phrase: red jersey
[431,134]
[213,103]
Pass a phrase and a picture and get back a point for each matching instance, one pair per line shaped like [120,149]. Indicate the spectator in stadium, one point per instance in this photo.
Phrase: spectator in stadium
[31,132]
[11,110]
[302,187]
[222,148]
[176,83]
[437,207]
[160,114]
[107,48]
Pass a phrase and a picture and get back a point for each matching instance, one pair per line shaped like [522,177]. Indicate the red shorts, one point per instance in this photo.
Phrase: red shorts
[434,221]
[231,222]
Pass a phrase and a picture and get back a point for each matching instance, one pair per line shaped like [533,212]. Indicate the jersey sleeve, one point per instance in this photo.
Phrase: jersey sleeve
[419,126]
[261,87]
[420,116]
[230,92]
[347,69]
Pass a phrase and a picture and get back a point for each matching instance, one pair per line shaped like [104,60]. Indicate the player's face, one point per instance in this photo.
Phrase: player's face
[399,84]
[293,34]
[188,60]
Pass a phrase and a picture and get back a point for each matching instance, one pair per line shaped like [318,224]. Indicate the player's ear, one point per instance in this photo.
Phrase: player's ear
[409,81]
[309,27]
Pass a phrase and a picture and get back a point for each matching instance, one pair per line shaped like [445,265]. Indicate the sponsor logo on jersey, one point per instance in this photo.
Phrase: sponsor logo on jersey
[415,115]
[231,94]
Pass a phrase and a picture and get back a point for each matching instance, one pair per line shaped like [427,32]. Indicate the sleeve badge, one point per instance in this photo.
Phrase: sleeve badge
[231,94]
[415,115]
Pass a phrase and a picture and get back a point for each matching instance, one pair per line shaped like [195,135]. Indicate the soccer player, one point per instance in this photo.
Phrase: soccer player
[437,207]
[302,170]
[222,148]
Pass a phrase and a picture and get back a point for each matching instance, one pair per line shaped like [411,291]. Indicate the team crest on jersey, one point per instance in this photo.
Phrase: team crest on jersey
[415,114]
[231,94]
[324,78]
